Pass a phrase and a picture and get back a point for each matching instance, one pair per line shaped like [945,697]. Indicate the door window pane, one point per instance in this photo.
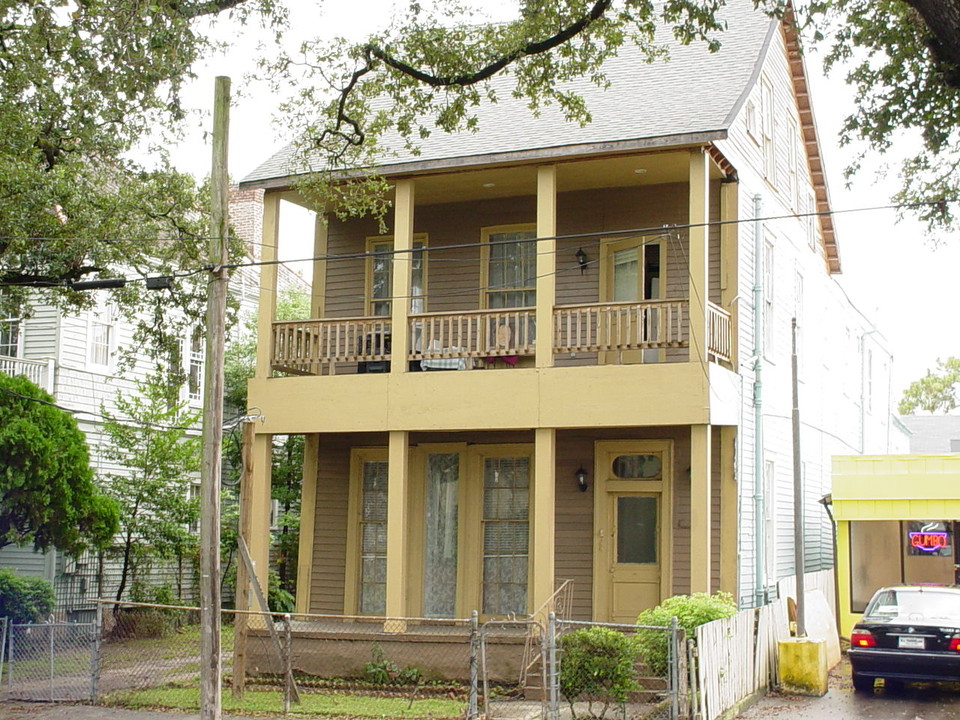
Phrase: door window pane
[373,538]
[506,496]
[626,278]
[632,467]
[636,529]
[440,535]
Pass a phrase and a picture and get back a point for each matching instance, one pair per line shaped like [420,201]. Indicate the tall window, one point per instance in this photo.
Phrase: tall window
[770,519]
[380,276]
[812,221]
[511,268]
[195,374]
[793,160]
[768,130]
[373,538]
[506,498]
[750,119]
[440,535]
[101,337]
[10,337]
[768,276]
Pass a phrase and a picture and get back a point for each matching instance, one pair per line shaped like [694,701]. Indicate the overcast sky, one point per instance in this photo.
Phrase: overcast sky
[891,272]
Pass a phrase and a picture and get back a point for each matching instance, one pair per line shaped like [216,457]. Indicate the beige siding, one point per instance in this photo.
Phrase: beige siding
[330,545]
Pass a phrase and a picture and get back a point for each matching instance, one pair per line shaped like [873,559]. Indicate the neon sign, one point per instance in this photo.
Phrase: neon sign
[929,541]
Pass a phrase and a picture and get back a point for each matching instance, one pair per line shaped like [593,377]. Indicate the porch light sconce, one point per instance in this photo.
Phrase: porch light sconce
[581,479]
[582,260]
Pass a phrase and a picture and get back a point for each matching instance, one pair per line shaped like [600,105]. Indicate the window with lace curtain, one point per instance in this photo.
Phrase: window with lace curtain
[506,498]
[373,538]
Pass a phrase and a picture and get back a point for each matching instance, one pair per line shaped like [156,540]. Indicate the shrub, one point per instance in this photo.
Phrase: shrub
[381,671]
[598,663]
[24,599]
[691,611]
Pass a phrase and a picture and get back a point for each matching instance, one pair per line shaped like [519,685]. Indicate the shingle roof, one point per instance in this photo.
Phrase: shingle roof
[695,92]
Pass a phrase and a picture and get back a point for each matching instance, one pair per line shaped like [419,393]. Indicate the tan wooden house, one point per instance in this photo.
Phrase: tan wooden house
[535,375]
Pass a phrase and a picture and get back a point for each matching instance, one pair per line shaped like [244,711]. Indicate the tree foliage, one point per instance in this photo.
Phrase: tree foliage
[47,493]
[148,438]
[937,391]
[24,599]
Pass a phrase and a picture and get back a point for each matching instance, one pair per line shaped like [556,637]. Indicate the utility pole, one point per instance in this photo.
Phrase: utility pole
[210,666]
[797,491]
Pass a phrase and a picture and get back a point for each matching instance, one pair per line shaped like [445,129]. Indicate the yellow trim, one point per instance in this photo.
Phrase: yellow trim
[545,282]
[485,233]
[542,516]
[398,506]
[698,254]
[268,285]
[729,517]
[258,543]
[308,514]
[318,283]
[729,258]
[847,618]
[371,242]
[701,507]
[351,581]
[604,451]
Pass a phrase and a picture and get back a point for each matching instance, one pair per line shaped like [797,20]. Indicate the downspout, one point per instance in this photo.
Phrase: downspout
[760,534]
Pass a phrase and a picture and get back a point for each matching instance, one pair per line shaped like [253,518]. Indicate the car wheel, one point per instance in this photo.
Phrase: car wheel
[862,683]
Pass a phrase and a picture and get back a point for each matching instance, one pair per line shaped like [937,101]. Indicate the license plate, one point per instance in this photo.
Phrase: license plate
[915,643]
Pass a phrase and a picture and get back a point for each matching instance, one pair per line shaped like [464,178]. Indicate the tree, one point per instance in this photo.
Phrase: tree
[937,391]
[148,437]
[47,493]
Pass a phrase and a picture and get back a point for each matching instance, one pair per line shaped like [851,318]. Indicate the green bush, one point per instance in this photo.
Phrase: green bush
[381,671]
[598,663]
[24,599]
[691,611]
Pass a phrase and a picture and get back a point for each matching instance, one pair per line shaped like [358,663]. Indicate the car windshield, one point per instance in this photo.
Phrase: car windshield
[915,605]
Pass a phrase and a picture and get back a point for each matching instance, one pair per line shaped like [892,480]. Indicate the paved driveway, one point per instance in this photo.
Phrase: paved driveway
[927,701]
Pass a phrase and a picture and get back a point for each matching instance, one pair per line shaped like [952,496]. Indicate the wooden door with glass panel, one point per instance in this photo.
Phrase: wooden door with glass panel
[632,272]
[631,513]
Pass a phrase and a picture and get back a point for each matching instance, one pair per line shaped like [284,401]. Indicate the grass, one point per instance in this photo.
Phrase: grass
[271,701]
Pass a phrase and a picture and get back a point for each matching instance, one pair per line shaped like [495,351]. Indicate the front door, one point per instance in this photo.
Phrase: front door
[631,512]
[633,272]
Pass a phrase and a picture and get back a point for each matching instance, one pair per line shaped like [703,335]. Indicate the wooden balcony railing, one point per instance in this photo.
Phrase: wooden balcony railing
[719,344]
[618,326]
[472,334]
[302,347]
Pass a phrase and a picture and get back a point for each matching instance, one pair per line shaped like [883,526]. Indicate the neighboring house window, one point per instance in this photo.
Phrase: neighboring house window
[101,338]
[768,276]
[812,220]
[750,117]
[380,275]
[793,160]
[511,267]
[770,519]
[768,131]
[506,497]
[10,337]
[195,370]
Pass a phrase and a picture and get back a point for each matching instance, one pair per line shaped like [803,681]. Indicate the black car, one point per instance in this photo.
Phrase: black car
[908,632]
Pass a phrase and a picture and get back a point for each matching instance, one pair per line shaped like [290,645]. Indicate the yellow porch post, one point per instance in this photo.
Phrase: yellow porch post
[729,518]
[699,253]
[402,261]
[847,617]
[308,509]
[542,510]
[700,509]
[729,258]
[546,263]
[397,532]
[268,284]
[318,285]
[258,504]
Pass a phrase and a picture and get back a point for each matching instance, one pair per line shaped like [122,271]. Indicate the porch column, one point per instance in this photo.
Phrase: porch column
[397,531]
[308,512]
[700,509]
[546,263]
[402,262]
[268,284]
[730,257]
[542,510]
[699,253]
[255,514]
[318,284]
[729,517]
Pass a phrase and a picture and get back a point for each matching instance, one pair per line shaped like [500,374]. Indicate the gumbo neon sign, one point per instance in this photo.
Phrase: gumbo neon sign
[929,541]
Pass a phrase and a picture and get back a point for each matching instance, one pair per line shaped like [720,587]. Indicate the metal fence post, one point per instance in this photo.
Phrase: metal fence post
[287,662]
[95,655]
[674,669]
[52,652]
[3,643]
[553,672]
[10,658]
[473,710]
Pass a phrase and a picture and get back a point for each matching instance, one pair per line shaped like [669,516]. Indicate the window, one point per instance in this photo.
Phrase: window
[373,538]
[195,373]
[793,159]
[768,130]
[10,337]
[511,267]
[812,221]
[101,337]
[380,275]
[770,519]
[506,496]
[750,117]
[768,276]
[440,529]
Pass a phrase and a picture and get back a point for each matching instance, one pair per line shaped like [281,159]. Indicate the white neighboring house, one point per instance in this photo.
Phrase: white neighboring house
[73,356]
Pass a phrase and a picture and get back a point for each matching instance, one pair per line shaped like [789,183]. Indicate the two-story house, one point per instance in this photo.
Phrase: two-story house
[569,356]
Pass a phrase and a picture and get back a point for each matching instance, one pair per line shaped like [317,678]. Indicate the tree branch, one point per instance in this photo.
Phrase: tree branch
[942,20]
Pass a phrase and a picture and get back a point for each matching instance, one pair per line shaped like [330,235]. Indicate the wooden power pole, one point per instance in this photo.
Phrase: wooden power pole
[210,665]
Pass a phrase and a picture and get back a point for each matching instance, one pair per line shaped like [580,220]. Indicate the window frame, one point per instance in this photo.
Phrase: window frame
[14,326]
[371,244]
[768,130]
[485,290]
[107,311]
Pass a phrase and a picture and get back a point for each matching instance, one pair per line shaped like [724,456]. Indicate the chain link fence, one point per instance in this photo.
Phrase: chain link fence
[141,655]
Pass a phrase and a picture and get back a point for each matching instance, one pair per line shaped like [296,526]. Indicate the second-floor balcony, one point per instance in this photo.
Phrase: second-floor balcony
[583,334]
